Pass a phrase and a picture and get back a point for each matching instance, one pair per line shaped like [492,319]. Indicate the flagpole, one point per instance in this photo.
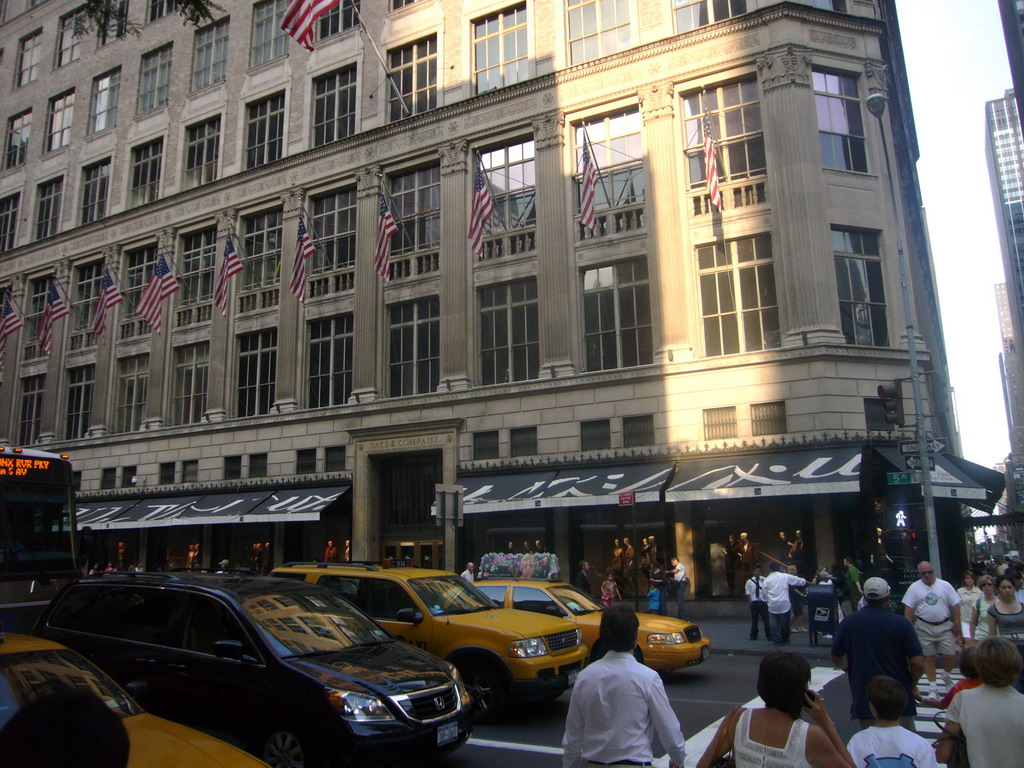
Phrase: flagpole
[380,56]
[67,296]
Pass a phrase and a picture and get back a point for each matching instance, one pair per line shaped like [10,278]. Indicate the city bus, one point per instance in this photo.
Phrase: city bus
[37,533]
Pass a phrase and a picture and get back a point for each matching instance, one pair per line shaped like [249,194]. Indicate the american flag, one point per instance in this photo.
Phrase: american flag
[229,267]
[386,228]
[53,311]
[109,297]
[10,322]
[300,17]
[482,210]
[304,248]
[161,285]
[711,162]
[588,187]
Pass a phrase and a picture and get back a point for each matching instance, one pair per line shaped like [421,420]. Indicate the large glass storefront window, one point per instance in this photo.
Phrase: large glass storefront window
[625,544]
[509,544]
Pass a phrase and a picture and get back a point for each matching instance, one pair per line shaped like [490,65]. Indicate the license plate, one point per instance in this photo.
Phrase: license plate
[447,733]
[705,652]
[573,674]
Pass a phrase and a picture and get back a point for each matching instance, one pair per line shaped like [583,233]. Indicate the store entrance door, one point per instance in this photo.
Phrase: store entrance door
[421,554]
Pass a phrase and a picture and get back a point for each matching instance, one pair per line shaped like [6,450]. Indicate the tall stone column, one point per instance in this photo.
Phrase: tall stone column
[556,263]
[222,326]
[104,398]
[670,259]
[12,366]
[804,266]
[290,314]
[456,318]
[368,319]
[53,411]
[159,395]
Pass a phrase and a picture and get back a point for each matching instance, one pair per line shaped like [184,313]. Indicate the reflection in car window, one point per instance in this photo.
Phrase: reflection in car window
[575,600]
[449,594]
[535,600]
[496,593]
[26,676]
[311,621]
[208,623]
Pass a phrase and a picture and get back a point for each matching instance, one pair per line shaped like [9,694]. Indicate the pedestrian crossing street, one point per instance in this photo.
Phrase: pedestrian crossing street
[924,722]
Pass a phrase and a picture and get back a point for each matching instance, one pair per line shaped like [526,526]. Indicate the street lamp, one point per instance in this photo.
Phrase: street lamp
[876,104]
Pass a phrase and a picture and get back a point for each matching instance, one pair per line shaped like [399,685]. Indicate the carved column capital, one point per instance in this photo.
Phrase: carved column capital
[657,101]
[166,238]
[784,66]
[549,131]
[453,158]
[62,270]
[291,200]
[368,181]
[227,217]
[877,75]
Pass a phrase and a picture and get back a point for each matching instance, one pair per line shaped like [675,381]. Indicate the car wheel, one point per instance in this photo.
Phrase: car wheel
[283,748]
[490,693]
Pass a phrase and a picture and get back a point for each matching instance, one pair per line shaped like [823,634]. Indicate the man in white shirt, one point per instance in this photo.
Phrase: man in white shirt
[468,573]
[933,607]
[776,588]
[617,704]
[681,581]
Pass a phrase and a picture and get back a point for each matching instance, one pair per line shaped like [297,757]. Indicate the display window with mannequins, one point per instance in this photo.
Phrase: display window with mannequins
[735,546]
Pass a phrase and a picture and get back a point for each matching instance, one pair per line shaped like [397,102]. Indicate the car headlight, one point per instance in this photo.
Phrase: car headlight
[360,707]
[523,649]
[666,638]
[460,686]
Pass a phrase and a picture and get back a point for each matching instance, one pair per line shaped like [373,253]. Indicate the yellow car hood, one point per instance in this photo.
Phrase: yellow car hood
[650,622]
[159,743]
[514,622]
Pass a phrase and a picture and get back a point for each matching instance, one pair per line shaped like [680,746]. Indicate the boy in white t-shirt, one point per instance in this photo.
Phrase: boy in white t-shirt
[887,740]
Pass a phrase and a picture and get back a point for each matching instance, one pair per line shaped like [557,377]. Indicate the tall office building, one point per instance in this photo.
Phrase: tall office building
[616,361]
[1011,13]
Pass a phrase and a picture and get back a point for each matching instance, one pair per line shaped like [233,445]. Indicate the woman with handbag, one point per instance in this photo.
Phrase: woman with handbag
[775,734]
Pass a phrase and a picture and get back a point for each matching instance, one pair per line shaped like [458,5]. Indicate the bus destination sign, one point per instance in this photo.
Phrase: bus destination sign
[23,466]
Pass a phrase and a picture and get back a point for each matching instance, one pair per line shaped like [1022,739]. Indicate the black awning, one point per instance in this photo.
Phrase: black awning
[782,473]
[99,515]
[294,504]
[955,478]
[154,512]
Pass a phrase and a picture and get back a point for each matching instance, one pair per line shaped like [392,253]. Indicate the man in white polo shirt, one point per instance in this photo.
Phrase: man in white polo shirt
[933,607]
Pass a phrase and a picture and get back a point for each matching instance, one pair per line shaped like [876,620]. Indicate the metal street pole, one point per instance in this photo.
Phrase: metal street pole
[876,104]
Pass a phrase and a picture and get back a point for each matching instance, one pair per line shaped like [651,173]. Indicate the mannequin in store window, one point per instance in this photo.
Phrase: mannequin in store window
[348,550]
[330,552]
[732,562]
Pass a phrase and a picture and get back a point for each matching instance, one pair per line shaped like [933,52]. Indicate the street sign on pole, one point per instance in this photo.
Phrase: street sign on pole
[448,504]
[934,445]
[914,463]
[899,478]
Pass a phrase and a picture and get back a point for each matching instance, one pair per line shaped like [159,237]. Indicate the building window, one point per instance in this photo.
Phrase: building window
[48,195]
[95,190]
[8,221]
[190,471]
[334,221]
[861,288]
[88,278]
[129,476]
[597,28]
[262,235]
[257,372]
[264,131]
[191,376]
[840,127]
[132,384]
[139,264]
[522,441]
[30,51]
[510,171]
[160,8]
[155,79]
[103,107]
[485,445]
[509,334]
[416,204]
[615,141]
[691,14]
[210,56]
[330,361]
[147,160]
[118,25]
[232,467]
[595,435]
[334,458]
[414,70]
[69,45]
[108,478]
[719,423]
[258,465]
[637,431]
[79,410]
[340,17]
[269,41]
[617,316]
[305,461]
[739,308]
[734,112]
[59,115]
[500,49]
[768,418]
[414,342]
[198,254]
[167,472]
[334,106]
[31,409]
[19,128]
[202,150]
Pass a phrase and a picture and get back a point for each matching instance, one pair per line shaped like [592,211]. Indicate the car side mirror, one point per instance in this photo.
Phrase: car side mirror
[138,690]
[409,616]
[229,649]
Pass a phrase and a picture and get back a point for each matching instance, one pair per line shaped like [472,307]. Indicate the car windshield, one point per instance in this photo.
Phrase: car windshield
[29,675]
[298,622]
[575,600]
[447,595]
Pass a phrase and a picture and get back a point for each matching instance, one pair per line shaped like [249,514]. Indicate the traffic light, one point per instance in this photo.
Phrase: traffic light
[892,401]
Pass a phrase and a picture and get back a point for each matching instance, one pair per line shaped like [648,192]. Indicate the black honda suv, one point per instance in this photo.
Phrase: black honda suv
[293,670]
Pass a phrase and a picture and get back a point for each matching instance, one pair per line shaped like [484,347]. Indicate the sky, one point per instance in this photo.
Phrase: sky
[956,61]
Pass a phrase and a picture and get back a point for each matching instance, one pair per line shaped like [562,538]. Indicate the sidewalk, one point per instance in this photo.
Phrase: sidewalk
[728,635]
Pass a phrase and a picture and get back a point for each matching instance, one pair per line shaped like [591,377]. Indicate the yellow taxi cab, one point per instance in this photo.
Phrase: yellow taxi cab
[666,643]
[28,664]
[504,656]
